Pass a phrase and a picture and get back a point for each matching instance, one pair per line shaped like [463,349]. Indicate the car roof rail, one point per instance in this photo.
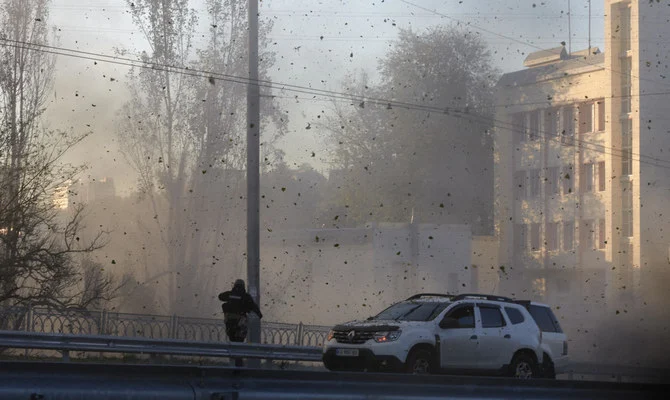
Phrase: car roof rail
[525,303]
[420,295]
[490,297]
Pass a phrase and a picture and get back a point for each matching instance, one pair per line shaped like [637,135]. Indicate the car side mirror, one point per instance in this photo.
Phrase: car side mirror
[449,323]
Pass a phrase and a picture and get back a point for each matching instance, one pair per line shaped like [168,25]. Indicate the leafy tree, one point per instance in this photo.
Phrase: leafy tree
[185,135]
[428,155]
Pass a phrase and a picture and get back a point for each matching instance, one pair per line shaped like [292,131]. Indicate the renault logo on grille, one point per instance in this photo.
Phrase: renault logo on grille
[351,335]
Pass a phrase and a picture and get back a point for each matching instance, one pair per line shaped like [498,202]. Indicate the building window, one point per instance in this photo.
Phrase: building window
[627,210]
[552,181]
[551,236]
[567,179]
[601,176]
[586,178]
[520,235]
[534,128]
[585,118]
[602,234]
[568,121]
[601,115]
[626,85]
[568,235]
[540,287]
[519,127]
[624,28]
[535,237]
[627,147]
[551,119]
[586,237]
[535,182]
[520,184]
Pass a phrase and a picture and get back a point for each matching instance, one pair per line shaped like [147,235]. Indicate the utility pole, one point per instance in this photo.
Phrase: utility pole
[253,178]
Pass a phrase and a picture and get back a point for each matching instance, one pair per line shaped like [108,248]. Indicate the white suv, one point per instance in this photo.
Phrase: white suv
[554,342]
[468,333]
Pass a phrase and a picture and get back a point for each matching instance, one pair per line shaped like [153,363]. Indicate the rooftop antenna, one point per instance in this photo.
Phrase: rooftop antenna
[589,26]
[570,29]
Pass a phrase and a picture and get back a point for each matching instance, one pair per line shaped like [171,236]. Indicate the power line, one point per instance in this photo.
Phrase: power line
[525,43]
[458,113]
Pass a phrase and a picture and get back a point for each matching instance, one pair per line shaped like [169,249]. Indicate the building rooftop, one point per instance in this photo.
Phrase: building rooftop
[544,57]
[578,62]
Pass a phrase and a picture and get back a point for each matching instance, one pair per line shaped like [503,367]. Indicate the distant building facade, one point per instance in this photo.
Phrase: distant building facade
[86,193]
[582,166]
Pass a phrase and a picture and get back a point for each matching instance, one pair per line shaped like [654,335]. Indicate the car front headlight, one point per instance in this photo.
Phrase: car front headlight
[330,336]
[390,336]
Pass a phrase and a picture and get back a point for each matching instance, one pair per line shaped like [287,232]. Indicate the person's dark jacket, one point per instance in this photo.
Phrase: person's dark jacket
[238,301]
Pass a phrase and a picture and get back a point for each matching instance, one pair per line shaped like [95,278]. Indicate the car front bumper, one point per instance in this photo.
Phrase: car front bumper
[365,361]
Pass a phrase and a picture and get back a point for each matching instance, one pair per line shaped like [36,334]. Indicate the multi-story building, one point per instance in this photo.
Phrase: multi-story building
[582,164]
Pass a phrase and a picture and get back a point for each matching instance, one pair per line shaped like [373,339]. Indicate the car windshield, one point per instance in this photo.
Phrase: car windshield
[412,311]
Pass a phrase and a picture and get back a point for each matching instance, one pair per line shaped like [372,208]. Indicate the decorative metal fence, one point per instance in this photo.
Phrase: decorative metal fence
[86,322]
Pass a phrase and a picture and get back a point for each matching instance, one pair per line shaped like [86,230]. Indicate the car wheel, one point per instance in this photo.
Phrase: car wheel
[548,370]
[419,362]
[523,367]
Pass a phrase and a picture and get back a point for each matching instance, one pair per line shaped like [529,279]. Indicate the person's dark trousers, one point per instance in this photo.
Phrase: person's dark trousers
[233,336]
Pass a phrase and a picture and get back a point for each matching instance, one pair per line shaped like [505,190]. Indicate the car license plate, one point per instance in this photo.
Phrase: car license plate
[346,352]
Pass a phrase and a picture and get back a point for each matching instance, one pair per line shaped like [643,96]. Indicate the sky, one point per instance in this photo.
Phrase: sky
[317,44]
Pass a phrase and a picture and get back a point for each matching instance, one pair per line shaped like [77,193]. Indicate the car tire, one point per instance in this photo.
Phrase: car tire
[548,370]
[419,362]
[523,366]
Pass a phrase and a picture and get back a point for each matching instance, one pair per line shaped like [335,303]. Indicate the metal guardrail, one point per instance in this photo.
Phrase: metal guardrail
[87,322]
[618,373]
[25,380]
[115,344]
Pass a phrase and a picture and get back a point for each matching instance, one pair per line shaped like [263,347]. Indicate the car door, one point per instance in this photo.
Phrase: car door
[495,344]
[458,345]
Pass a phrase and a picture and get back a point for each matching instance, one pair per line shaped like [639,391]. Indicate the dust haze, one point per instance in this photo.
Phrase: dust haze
[381,189]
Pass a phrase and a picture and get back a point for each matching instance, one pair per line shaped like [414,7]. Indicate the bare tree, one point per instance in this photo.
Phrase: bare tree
[38,242]
[185,135]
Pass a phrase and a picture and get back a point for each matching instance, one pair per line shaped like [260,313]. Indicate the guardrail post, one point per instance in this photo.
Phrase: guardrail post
[298,336]
[66,355]
[103,322]
[173,326]
[29,324]
[29,319]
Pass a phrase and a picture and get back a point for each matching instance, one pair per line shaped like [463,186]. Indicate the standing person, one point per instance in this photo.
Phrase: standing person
[236,304]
